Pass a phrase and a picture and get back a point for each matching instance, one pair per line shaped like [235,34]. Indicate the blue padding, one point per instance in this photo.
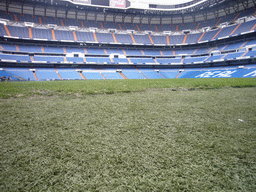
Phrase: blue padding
[232,73]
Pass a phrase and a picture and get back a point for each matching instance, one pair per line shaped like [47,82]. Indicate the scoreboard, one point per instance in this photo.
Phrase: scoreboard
[117,3]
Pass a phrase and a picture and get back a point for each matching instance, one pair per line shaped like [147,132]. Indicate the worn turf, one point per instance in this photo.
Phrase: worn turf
[150,140]
[50,88]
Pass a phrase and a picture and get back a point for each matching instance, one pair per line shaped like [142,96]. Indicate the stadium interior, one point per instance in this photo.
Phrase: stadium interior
[120,39]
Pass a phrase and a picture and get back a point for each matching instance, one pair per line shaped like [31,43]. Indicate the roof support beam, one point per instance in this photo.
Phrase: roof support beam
[7,6]
[114,17]
[76,13]
[141,18]
[193,17]
[105,17]
[123,18]
[85,15]
[34,10]
[205,16]
[45,8]
[95,17]
[149,20]
[216,14]
[132,18]
[56,13]
[22,9]
[66,13]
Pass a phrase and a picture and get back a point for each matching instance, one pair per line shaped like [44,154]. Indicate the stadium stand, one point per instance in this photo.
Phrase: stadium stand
[55,46]
[21,73]
[92,74]
[46,74]
[133,74]
[151,73]
[69,74]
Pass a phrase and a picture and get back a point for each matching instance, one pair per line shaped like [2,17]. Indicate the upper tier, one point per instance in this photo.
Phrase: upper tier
[16,17]
[61,33]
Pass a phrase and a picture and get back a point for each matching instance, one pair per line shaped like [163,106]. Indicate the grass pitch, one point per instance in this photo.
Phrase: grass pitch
[64,88]
[167,135]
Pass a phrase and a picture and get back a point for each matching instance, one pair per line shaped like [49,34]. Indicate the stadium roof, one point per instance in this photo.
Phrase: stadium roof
[163,2]
[169,5]
[103,10]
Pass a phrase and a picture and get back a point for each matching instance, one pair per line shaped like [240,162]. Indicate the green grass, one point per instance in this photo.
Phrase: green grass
[24,89]
[198,138]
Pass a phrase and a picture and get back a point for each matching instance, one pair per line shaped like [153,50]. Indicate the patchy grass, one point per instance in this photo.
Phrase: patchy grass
[50,88]
[144,140]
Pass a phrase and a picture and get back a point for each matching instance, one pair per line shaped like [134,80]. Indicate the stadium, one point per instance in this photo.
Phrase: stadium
[58,40]
[127,95]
